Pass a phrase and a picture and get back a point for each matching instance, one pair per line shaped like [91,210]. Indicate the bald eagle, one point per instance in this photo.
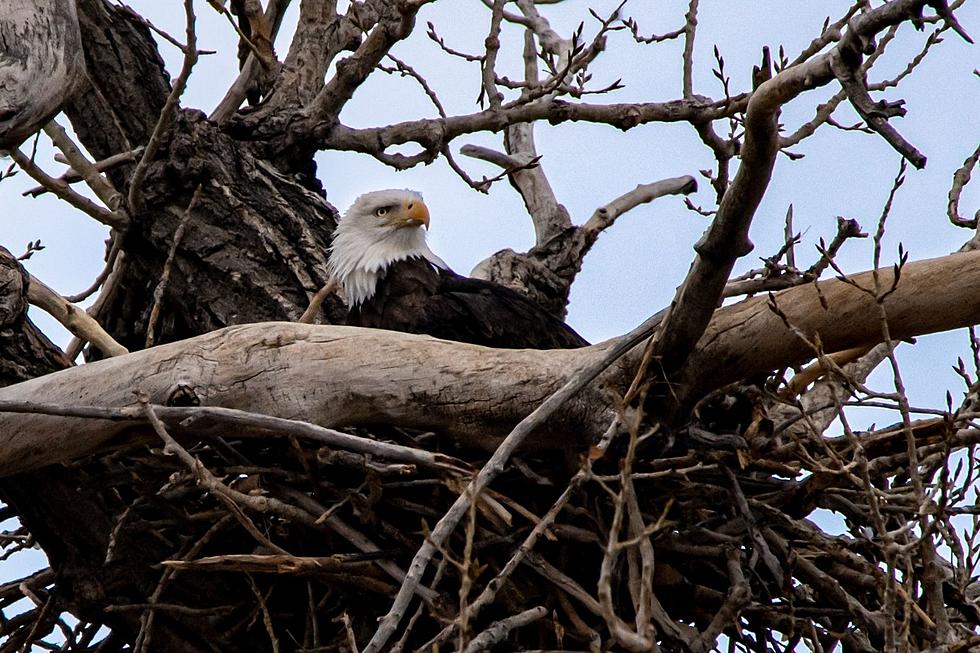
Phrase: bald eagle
[392,280]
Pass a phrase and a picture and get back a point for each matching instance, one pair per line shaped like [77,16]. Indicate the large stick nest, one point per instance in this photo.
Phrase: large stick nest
[720,529]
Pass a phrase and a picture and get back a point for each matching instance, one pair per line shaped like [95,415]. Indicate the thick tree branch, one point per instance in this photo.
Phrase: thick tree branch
[476,394]
[843,316]
[41,65]
[352,71]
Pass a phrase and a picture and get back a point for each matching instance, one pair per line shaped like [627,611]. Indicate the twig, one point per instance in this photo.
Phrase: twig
[309,315]
[431,33]
[266,617]
[135,198]
[499,630]
[348,631]
[232,499]
[188,416]
[542,527]
[634,29]
[492,469]
[161,286]
[109,286]
[149,614]
[114,250]
[960,179]
[59,188]
[162,33]
[358,539]
[274,564]
[404,69]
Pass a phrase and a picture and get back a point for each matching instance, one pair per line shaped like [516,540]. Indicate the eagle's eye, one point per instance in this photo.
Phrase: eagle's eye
[381,211]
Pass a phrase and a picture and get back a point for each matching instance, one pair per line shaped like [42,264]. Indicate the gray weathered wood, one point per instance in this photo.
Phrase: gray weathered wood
[41,64]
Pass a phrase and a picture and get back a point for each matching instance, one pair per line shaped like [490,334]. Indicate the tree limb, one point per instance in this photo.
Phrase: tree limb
[73,318]
[473,393]
[727,238]
[41,65]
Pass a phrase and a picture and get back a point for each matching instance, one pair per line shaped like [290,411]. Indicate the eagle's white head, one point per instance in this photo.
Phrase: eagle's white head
[380,228]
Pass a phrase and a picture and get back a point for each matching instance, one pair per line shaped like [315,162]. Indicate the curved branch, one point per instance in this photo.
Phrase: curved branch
[41,65]
[335,376]
[727,238]
[73,318]
[435,133]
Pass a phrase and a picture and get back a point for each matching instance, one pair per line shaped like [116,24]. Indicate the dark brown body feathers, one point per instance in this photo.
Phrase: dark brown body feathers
[416,297]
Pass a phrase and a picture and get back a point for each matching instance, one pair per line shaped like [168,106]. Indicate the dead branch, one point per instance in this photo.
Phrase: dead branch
[233,367]
[115,219]
[73,318]
[960,179]
[42,65]
[166,117]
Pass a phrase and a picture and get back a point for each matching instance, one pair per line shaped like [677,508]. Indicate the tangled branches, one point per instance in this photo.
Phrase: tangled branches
[747,523]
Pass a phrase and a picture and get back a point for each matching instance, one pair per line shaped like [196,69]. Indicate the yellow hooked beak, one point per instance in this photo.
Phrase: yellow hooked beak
[412,213]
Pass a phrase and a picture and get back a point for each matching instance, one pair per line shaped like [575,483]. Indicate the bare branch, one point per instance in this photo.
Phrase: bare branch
[605,216]
[352,71]
[960,179]
[875,114]
[256,71]
[73,318]
[499,630]
[135,198]
[71,176]
[114,219]
[690,29]
[489,88]
[727,238]
[99,184]
[161,287]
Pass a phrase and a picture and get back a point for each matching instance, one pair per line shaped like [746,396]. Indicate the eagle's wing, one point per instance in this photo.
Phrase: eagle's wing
[416,297]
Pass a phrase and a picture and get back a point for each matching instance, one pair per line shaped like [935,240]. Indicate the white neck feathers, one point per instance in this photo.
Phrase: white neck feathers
[361,253]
